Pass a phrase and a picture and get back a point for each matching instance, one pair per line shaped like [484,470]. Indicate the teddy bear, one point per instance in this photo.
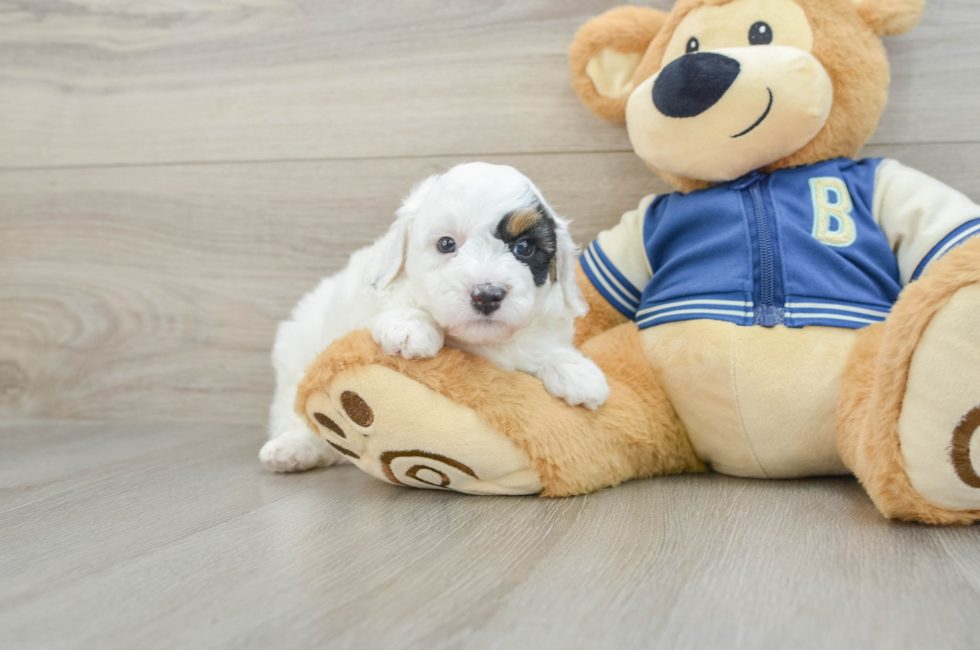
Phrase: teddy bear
[788,311]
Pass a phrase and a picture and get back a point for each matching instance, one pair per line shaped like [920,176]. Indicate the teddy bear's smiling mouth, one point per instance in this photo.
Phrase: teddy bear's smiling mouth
[758,121]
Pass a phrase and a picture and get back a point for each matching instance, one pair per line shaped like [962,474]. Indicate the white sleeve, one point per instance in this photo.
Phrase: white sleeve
[922,217]
[616,262]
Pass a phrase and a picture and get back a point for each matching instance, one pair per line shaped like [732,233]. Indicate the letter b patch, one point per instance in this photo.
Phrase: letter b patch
[833,224]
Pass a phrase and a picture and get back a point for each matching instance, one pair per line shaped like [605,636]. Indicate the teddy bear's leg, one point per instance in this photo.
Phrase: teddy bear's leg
[910,400]
[458,422]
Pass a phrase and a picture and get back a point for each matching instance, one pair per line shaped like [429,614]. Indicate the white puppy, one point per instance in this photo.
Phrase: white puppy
[475,259]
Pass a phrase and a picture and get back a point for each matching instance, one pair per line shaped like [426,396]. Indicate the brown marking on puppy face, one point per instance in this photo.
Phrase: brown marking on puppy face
[530,234]
[521,220]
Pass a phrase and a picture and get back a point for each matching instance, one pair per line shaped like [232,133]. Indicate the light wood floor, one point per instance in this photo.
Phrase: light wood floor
[174,175]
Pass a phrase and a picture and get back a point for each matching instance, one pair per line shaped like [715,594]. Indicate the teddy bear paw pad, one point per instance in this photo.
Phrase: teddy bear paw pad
[941,408]
[404,433]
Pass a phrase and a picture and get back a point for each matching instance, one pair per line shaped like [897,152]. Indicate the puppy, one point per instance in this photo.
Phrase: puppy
[476,260]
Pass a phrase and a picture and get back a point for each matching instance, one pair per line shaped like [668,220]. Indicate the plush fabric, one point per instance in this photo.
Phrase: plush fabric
[755,402]
[890,17]
[382,421]
[846,46]
[895,402]
[874,388]
[602,315]
[573,450]
[623,31]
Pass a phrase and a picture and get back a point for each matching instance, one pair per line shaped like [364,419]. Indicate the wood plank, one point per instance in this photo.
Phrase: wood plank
[153,293]
[199,547]
[149,293]
[96,83]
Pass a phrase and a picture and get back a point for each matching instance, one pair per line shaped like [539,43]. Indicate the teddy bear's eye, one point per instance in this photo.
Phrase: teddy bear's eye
[760,34]
[693,45]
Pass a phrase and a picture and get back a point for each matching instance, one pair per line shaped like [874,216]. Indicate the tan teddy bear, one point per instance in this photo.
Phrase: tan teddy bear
[790,311]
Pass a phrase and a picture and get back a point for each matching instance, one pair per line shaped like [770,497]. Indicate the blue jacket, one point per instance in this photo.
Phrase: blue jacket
[801,246]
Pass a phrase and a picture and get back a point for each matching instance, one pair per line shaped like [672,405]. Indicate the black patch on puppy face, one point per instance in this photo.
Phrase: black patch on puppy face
[534,226]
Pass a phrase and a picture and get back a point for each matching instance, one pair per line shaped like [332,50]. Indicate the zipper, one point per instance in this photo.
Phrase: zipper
[769,308]
[767,302]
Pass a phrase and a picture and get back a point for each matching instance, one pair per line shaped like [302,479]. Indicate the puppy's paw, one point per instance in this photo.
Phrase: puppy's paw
[291,452]
[408,336]
[577,381]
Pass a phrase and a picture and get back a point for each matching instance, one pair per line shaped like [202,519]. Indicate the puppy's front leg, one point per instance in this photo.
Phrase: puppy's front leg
[406,331]
[574,378]
[565,372]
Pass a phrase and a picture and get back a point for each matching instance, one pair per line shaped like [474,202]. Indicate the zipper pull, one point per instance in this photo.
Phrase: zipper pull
[748,180]
[767,316]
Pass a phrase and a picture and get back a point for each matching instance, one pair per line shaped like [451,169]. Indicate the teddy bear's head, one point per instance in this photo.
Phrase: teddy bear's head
[718,88]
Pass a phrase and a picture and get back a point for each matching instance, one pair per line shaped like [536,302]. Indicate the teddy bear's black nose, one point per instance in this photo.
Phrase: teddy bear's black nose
[693,83]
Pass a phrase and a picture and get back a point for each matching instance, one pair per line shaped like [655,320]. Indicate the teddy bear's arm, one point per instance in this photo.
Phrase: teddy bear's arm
[613,272]
[601,315]
[922,217]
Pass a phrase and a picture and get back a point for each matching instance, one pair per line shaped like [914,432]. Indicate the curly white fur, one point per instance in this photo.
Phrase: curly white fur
[416,298]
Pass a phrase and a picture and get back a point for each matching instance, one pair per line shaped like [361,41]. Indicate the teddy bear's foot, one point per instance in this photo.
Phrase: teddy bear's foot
[941,409]
[400,431]
[910,403]
[457,422]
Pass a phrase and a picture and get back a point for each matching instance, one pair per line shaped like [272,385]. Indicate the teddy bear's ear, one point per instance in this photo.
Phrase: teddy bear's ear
[605,54]
[890,17]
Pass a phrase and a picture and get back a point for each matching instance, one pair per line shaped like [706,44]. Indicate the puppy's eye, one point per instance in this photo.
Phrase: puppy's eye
[446,245]
[524,248]
[760,34]
[693,45]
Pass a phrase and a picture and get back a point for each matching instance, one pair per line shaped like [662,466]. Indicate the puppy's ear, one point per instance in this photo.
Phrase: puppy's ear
[391,249]
[605,54]
[565,296]
[890,17]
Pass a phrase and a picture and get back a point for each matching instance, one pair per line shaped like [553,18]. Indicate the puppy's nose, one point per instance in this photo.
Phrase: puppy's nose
[693,83]
[487,298]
